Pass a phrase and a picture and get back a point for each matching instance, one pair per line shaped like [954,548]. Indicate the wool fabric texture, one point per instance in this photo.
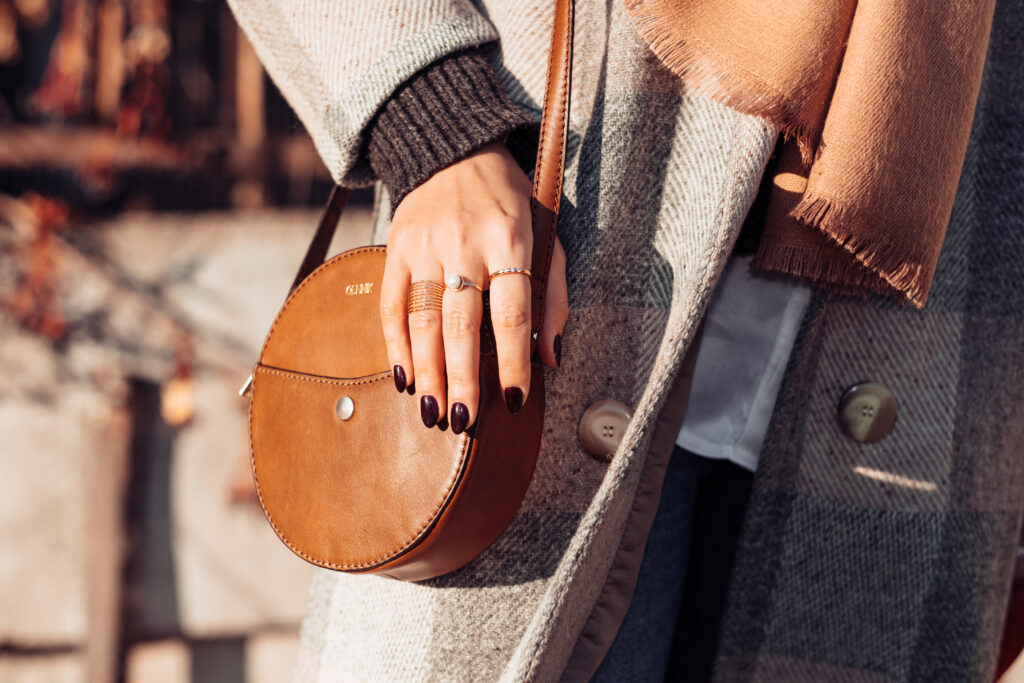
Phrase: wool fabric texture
[440,115]
[844,571]
[657,183]
[878,96]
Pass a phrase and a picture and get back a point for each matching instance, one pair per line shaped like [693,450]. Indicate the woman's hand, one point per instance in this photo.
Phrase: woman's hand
[470,219]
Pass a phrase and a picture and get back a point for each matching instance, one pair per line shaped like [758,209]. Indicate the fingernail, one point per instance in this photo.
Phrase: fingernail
[460,418]
[558,350]
[442,424]
[399,378]
[428,410]
[514,399]
[412,389]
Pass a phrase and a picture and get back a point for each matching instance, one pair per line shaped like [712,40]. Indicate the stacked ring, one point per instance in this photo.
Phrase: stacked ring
[425,295]
[510,271]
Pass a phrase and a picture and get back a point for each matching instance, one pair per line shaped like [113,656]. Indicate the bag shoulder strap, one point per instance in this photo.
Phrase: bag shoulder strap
[547,179]
[316,253]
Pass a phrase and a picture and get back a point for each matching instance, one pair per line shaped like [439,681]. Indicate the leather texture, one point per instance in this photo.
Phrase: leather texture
[547,177]
[375,490]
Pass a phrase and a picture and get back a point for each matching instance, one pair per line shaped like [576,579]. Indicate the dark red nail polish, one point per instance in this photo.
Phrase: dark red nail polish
[399,378]
[558,350]
[442,424]
[514,399]
[460,418]
[412,389]
[428,410]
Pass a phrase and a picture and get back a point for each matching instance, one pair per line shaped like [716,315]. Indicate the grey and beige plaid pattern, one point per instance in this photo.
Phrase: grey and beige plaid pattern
[892,561]
[841,576]
[657,185]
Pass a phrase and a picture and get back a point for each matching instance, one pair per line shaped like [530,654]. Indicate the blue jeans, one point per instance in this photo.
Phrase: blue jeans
[670,630]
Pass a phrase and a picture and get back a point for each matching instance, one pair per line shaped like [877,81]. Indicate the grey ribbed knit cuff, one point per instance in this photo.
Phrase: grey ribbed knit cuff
[442,114]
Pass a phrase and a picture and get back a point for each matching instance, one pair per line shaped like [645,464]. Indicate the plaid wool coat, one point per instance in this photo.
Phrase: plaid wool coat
[839,577]
[846,577]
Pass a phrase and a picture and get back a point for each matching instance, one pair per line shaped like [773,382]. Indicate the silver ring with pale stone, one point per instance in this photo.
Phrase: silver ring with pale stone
[457,283]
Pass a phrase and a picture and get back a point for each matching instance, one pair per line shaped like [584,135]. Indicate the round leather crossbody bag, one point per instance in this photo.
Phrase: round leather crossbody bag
[347,474]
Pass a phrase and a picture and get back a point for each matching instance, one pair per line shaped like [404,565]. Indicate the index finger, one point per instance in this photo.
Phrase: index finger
[394,294]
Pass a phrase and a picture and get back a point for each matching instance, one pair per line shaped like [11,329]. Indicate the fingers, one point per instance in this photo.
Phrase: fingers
[428,349]
[475,215]
[430,344]
[556,310]
[510,318]
[463,311]
[439,349]
[394,295]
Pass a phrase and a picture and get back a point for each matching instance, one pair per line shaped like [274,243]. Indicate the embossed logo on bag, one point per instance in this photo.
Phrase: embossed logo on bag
[361,288]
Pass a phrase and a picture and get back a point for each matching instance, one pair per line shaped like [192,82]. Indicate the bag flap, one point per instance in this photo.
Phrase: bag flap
[327,499]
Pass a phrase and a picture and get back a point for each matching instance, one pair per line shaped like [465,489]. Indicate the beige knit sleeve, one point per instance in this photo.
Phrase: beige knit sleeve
[338,61]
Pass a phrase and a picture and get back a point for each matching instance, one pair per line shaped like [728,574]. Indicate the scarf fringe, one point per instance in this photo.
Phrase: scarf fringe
[875,267]
[705,77]
[842,276]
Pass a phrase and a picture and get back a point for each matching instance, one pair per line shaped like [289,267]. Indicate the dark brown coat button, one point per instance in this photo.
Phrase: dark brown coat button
[602,427]
[867,412]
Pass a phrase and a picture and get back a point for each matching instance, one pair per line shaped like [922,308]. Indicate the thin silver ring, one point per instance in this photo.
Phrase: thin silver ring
[510,271]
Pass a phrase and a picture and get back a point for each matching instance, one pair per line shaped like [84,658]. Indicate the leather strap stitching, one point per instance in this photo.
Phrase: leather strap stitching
[565,40]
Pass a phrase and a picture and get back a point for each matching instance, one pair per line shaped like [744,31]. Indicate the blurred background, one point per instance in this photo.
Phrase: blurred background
[156,196]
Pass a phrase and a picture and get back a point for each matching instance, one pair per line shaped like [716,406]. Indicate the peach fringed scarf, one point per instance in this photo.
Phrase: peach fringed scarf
[876,97]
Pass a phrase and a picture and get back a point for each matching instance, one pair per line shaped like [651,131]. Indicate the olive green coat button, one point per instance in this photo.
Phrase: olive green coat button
[602,427]
[867,412]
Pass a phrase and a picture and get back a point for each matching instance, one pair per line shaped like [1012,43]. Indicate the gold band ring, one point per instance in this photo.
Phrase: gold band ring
[425,295]
[510,271]
[457,282]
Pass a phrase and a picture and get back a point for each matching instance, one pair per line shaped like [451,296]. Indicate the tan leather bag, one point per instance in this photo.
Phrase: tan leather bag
[347,474]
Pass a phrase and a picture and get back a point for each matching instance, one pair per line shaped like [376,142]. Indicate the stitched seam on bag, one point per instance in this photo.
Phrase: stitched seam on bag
[346,566]
[567,60]
[566,74]
[324,380]
[538,175]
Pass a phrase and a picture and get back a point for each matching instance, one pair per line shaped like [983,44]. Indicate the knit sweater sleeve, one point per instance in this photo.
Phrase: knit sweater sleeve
[338,62]
[443,113]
